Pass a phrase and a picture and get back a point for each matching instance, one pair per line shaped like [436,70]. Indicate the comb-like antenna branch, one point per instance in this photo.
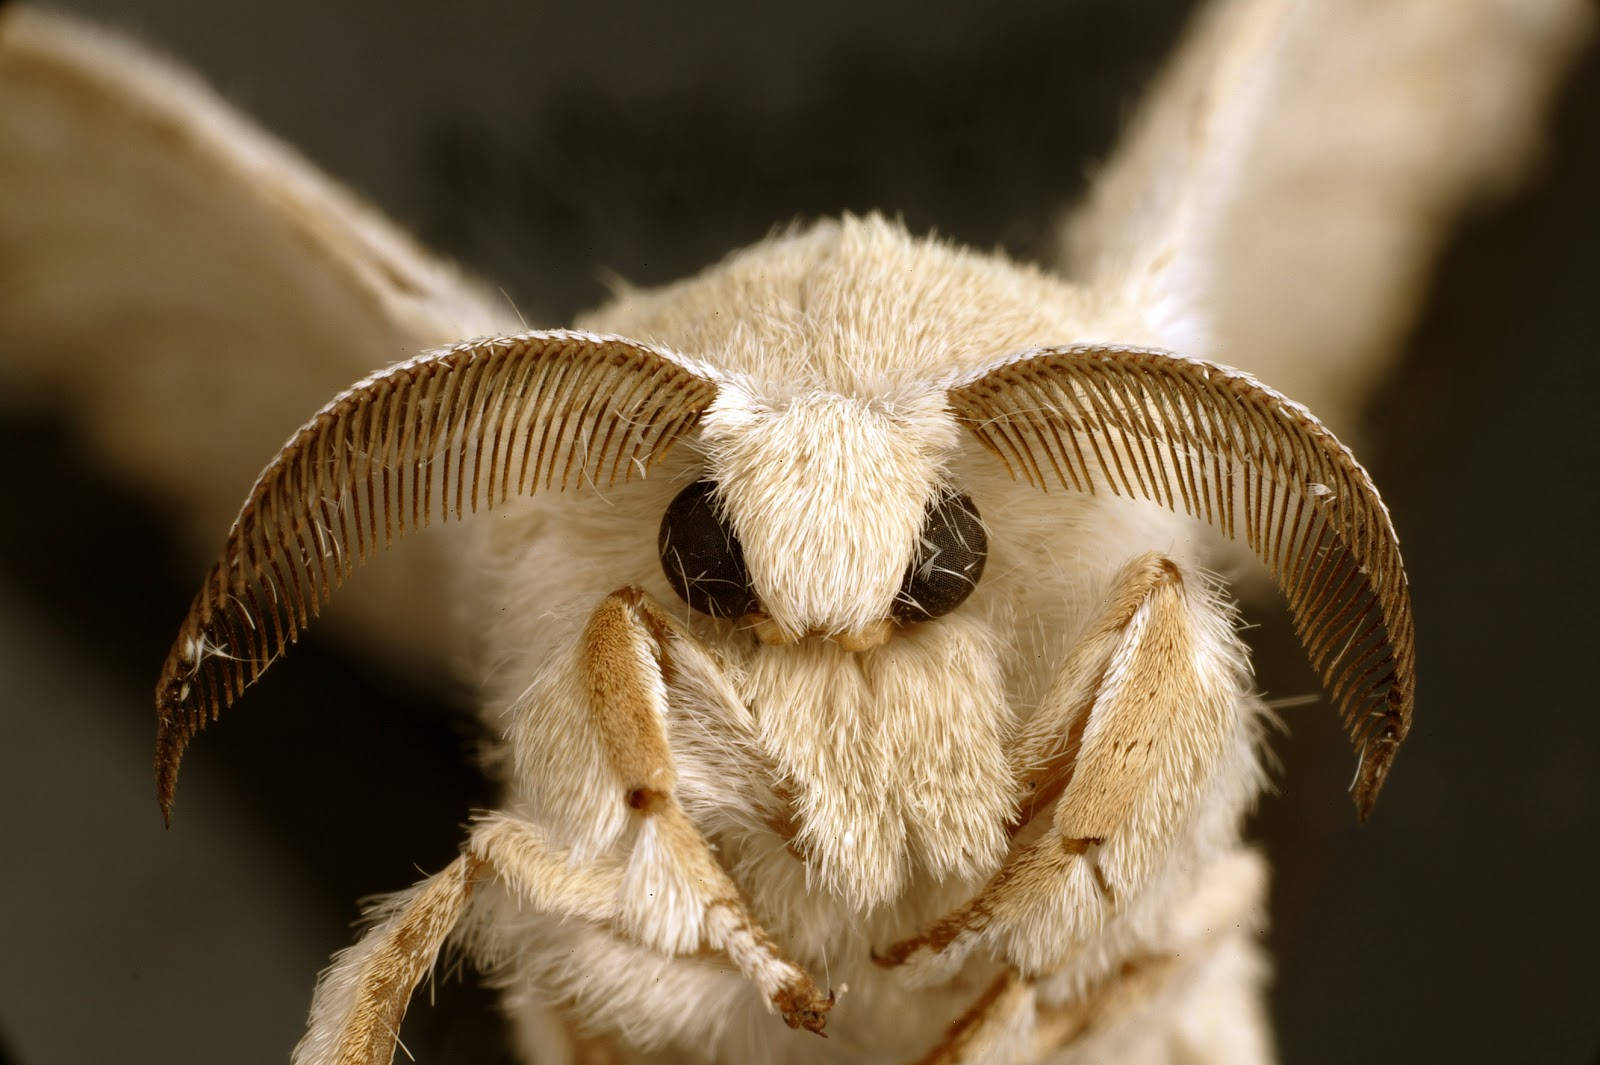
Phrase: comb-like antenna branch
[1216,444]
[431,437]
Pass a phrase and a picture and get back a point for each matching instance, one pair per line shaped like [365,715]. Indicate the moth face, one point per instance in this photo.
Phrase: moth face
[830,497]
[836,510]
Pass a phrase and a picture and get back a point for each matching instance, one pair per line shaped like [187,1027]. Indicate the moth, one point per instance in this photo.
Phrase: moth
[845,611]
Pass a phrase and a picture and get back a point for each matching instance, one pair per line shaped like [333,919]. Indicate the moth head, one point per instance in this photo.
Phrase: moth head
[832,511]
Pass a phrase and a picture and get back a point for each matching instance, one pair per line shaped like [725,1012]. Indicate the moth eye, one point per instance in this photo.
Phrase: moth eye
[702,558]
[948,563]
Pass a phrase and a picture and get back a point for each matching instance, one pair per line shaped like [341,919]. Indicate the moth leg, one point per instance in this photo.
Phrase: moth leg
[674,895]
[997,1022]
[362,996]
[544,875]
[1009,1023]
[1121,753]
[1201,991]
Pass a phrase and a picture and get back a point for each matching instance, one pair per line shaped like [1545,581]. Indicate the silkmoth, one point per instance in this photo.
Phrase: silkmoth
[846,609]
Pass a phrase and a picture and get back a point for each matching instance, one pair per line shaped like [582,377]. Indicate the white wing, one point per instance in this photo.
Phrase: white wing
[187,288]
[1282,192]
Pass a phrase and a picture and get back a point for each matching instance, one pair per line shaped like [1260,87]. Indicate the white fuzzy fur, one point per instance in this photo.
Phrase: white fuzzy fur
[897,758]
[828,438]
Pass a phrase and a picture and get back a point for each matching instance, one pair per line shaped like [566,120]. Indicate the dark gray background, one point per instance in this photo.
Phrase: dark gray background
[539,143]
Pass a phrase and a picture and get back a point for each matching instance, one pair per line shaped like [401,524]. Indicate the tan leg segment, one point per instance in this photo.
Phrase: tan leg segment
[1210,963]
[362,997]
[544,875]
[624,665]
[1140,980]
[671,869]
[628,666]
[1123,747]
[1007,1023]
[975,1034]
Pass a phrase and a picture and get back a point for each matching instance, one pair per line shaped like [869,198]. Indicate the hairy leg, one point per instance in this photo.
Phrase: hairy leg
[1195,1000]
[1129,742]
[660,886]
[544,876]
[361,998]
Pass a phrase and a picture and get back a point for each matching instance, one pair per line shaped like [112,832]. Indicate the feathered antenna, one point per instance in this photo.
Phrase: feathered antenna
[435,436]
[1216,444]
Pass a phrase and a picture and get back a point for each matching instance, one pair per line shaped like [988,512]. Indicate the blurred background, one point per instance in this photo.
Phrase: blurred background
[543,145]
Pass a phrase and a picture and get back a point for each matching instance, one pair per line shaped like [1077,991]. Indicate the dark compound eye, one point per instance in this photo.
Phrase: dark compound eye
[949,560]
[702,559]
